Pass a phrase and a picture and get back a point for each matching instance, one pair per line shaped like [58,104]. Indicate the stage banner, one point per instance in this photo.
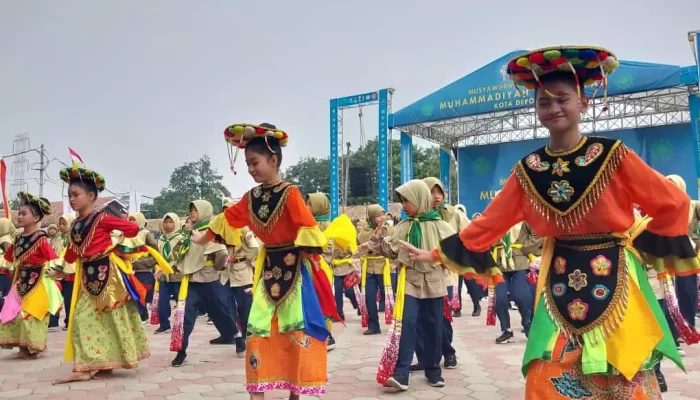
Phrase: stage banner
[694,105]
[335,183]
[383,145]
[483,170]
[406,161]
[445,161]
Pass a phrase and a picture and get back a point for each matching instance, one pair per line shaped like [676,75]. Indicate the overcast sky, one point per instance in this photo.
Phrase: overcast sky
[140,87]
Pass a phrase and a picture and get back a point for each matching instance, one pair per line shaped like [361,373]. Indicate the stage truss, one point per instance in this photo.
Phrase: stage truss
[630,111]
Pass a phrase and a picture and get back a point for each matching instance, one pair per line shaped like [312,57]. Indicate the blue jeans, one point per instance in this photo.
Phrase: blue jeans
[211,294]
[338,290]
[515,283]
[687,292]
[428,314]
[447,335]
[166,292]
[374,283]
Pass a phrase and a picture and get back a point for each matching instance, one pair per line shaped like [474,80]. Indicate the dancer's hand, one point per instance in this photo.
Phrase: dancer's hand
[199,238]
[158,274]
[416,254]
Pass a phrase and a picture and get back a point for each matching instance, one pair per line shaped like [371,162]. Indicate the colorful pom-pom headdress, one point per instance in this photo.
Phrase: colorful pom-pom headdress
[76,173]
[590,66]
[30,199]
[237,136]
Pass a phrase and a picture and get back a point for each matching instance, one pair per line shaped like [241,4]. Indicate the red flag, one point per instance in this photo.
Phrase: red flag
[3,181]
[75,157]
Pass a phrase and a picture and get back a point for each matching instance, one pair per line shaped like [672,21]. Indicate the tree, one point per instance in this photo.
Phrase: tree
[188,182]
[313,174]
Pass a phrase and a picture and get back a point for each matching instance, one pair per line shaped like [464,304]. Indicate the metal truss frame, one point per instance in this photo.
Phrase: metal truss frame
[629,111]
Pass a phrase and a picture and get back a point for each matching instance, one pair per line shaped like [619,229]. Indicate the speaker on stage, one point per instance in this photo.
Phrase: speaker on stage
[362,181]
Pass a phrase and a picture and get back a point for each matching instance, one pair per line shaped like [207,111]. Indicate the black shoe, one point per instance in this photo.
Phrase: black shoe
[342,317]
[330,343]
[161,330]
[457,313]
[506,337]
[179,359]
[371,332]
[416,367]
[662,381]
[436,382]
[222,340]
[359,313]
[399,382]
[240,346]
[450,362]
[477,311]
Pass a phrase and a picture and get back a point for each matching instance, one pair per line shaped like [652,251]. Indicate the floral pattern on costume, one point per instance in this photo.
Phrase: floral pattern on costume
[578,310]
[570,387]
[578,280]
[601,265]
[560,265]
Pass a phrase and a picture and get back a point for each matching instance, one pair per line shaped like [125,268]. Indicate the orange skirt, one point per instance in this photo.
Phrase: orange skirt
[286,361]
[563,379]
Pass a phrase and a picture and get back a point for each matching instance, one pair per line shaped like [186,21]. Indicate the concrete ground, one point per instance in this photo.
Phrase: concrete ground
[486,370]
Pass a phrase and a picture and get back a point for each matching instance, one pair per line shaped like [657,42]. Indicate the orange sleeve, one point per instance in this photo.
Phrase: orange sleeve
[658,197]
[47,252]
[237,215]
[69,256]
[297,209]
[503,213]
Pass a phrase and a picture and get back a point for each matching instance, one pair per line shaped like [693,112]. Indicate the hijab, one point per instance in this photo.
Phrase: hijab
[374,211]
[168,241]
[68,218]
[320,207]
[425,230]
[7,231]
[190,257]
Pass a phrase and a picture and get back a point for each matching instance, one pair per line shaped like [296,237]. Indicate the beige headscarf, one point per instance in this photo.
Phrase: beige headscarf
[7,231]
[448,212]
[680,184]
[194,260]
[68,218]
[320,206]
[141,222]
[366,231]
[417,192]
[173,237]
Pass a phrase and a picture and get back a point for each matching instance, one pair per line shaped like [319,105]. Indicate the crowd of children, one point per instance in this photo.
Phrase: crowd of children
[572,239]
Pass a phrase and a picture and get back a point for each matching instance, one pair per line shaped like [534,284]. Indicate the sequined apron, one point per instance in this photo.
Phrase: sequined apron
[280,271]
[587,285]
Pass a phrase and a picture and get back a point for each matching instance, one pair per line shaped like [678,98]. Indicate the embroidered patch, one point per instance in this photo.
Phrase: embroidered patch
[558,289]
[601,266]
[266,196]
[536,164]
[254,361]
[276,272]
[593,151]
[560,265]
[257,191]
[290,259]
[560,191]
[578,280]
[288,275]
[577,310]
[560,167]
[600,292]
[263,211]
[267,275]
[275,290]
[304,340]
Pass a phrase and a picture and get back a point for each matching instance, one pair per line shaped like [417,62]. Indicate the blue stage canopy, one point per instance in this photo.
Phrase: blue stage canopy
[488,90]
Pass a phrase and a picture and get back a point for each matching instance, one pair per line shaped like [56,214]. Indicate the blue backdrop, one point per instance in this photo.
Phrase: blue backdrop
[484,169]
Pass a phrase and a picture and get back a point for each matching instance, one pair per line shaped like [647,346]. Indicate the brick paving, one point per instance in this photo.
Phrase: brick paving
[486,371]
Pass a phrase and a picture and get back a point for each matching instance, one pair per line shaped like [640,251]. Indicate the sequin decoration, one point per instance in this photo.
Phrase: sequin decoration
[578,280]
[560,167]
[267,275]
[276,272]
[275,290]
[257,191]
[290,259]
[600,292]
[288,275]
[254,361]
[593,151]
[577,310]
[558,289]
[601,266]
[536,164]
[266,196]
[560,191]
[263,211]
[560,265]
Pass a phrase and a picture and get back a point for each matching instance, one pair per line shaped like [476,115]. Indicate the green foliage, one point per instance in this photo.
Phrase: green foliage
[188,182]
[313,174]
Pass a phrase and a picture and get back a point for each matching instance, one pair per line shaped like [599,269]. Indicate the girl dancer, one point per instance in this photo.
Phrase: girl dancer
[597,330]
[24,320]
[291,295]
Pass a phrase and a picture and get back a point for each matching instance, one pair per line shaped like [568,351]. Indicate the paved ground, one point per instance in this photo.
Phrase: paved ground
[486,370]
